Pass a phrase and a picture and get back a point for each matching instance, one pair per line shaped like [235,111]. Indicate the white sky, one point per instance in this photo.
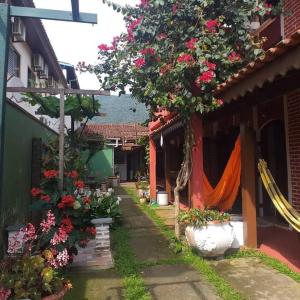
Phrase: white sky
[74,42]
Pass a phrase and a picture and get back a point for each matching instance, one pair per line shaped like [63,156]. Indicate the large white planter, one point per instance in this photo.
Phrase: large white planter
[211,240]
[237,223]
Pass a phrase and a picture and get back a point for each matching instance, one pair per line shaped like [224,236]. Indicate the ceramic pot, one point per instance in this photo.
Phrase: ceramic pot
[211,240]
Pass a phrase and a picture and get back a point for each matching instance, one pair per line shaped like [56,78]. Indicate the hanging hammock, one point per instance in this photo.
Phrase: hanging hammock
[224,194]
[281,204]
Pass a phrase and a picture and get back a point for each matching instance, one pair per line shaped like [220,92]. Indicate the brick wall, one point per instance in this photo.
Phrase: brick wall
[293,111]
[292,17]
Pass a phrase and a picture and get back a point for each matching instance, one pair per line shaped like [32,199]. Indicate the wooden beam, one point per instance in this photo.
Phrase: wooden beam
[56,91]
[51,14]
[248,183]
[61,141]
[152,154]
[167,156]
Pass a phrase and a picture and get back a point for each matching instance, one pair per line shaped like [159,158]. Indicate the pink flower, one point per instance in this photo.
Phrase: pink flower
[4,293]
[220,102]
[59,237]
[132,26]
[174,8]
[149,50]
[161,36]
[35,192]
[211,25]
[29,232]
[144,3]
[139,62]
[234,57]
[49,222]
[185,58]
[205,77]
[61,259]
[211,66]
[191,44]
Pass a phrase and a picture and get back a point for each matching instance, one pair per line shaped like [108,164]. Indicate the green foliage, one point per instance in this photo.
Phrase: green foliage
[78,107]
[175,53]
[198,217]
[29,277]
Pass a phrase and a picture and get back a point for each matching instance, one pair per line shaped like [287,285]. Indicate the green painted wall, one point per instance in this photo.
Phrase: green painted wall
[20,129]
[101,164]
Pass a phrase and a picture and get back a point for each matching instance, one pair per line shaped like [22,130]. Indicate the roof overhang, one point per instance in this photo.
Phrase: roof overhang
[277,61]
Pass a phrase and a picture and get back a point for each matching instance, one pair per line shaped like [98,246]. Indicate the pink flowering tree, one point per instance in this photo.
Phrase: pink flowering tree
[175,53]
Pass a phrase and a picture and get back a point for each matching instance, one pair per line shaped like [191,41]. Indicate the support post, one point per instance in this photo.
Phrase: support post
[152,153]
[167,154]
[196,180]
[248,180]
[4,42]
[61,139]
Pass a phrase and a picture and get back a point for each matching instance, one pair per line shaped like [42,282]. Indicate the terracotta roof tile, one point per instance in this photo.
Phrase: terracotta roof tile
[117,130]
[270,55]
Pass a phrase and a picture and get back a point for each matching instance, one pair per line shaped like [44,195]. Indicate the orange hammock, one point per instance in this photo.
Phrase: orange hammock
[225,193]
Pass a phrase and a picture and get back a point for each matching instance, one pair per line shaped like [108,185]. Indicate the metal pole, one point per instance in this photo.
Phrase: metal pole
[4,42]
[61,139]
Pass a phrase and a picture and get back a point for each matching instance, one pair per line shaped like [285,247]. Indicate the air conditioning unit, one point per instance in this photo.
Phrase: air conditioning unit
[38,62]
[51,82]
[18,30]
[44,72]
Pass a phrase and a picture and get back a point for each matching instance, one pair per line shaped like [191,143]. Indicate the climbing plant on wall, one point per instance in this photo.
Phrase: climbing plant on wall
[175,53]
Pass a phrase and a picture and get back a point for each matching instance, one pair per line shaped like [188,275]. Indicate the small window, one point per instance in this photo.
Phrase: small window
[14,61]
[30,78]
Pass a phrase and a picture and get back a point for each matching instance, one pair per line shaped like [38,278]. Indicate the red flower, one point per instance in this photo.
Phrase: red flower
[139,62]
[211,25]
[91,230]
[66,201]
[79,184]
[150,51]
[191,44]
[45,198]
[205,77]
[185,58]
[51,174]
[35,192]
[66,224]
[73,174]
[86,200]
[234,57]
[211,66]
[104,47]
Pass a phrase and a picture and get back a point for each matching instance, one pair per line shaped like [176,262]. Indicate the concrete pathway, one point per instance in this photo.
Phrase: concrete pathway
[256,281]
[164,281]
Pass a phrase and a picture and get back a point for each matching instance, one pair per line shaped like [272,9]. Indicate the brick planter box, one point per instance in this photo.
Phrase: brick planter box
[97,252]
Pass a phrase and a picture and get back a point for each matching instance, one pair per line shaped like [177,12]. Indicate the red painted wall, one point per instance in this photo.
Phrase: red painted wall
[292,17]
[293,110]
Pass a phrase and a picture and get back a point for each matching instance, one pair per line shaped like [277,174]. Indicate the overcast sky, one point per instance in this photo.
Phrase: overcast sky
[74,42]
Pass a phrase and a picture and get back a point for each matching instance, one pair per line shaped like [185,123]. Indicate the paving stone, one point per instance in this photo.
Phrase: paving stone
[256,281]
[177,282]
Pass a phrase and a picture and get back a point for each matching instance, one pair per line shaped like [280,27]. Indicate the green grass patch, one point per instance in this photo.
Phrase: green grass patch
[267,260]
[127,267]
[186,255]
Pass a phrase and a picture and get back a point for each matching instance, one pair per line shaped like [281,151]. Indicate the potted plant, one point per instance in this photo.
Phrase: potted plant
[31,277]
[208,230]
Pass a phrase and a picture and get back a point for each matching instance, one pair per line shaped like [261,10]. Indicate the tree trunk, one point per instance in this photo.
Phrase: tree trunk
[184,174]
